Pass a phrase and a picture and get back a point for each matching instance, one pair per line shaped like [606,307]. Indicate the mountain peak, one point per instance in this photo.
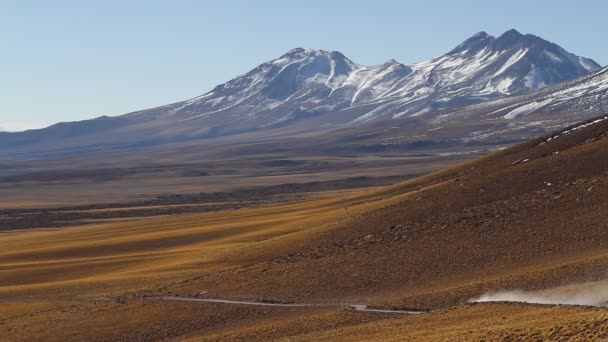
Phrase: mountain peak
[508,39]
[391,61]
[512,33]
[301,52]
[480,35]
[474,43]
[505,41]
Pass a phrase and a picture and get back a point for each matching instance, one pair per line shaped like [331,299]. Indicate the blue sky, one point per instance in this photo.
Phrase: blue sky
[73,60]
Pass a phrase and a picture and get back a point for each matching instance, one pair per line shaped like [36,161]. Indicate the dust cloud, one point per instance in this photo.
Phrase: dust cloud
[590,294]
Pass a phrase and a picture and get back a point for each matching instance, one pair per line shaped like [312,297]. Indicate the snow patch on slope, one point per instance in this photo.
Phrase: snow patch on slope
[534,80]
[512,60]
[526,109]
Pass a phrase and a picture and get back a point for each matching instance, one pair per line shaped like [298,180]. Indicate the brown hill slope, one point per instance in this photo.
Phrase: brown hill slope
[532,216]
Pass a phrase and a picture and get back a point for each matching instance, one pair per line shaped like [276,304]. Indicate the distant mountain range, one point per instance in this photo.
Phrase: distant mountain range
[312,91]
[306,82]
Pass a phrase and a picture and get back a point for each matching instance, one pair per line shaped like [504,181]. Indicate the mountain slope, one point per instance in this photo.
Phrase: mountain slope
[587,94]
[491,124]
[534,113]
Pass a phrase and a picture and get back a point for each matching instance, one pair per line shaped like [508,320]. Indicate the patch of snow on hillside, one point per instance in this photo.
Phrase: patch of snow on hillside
[566,132]
[526,109]
[553,56]
[512,60]
[533,79]
[504,84]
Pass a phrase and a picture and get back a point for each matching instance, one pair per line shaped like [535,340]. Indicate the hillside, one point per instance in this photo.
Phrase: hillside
[504,221]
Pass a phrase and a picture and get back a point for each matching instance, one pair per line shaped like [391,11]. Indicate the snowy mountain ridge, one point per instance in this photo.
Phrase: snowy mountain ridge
[305,82]
[487,90]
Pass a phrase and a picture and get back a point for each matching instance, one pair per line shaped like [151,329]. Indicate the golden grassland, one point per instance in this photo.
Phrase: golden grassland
[92,257]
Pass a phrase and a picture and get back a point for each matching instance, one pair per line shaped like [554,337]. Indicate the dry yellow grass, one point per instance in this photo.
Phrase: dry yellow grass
[111,259]
[487,322]
[88,260]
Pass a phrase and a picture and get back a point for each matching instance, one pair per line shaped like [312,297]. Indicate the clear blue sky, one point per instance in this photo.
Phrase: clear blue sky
[72,60]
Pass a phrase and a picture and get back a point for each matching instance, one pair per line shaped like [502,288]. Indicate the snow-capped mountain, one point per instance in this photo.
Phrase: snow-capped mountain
[307,91]
[303,75]
[484,67]
[306,82]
